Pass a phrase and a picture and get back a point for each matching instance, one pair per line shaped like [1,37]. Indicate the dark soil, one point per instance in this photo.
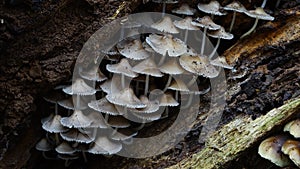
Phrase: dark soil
[38,46]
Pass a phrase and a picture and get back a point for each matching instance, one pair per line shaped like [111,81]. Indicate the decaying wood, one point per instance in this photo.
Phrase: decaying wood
[234,138]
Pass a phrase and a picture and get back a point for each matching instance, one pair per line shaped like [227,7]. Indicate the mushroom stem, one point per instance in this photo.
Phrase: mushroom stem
[56,139]
[215,49]
[56,109]
[122,33]
[168,83]
[146,85]
[67,163]
[46,157]
[123,81]
[251,30]
[176,95]
[84,156]
[166,113]
[232,21]
[192,81]
[77,101]
[186,35]
[164,9]
[141,126]
[203,41]
[128,141]
[189,102]
[277,4]
[264,4]
[106,117]
[162,59]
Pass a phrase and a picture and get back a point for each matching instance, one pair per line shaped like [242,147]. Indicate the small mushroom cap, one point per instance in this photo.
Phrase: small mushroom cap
[43,145]
[165,25]
[289,145]
[294,155]
[151,106]
[93,74]
[104,145]
[68,104]
[206,22]
[133,50]
[76,120]
[178,85]
[213,7]
[147,67]
[293,128]
[167,44]
[65,148]
[77,136]
[198,65]
[186,24]
[104,106]
[172,67]
[260,14]
[111,86]
[118,122]
[79,87]
[220,33]
[53,125]
[110,51]
[123,67]
[97,120]
[127,98]
[168,100]
[235,6]
[123,134]
[166,1]
[45,119]
[184,9]
[271,149]
[221,61]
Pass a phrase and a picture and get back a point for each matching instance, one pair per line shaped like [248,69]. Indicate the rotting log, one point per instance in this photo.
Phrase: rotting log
[232,139]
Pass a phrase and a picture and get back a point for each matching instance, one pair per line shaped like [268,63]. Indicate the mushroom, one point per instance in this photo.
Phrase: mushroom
[118,122]
[104,145]
[92,73]
[133,49]
[206,23]
[292,149]
[234,6]
[184,9]
[164,2]
[43,145]
[149,68]
[76,120]
[185,24]
[97,120]
[78,135]
[65,148]
[151,106]
[104,106]
[123,134]
[271,149]
[111,86]
[123,68]
[258,13]
[220,61]
[68,104]
[198,65]
[213,8]
[165,25]
[293,128]
[53,125]
[220,34]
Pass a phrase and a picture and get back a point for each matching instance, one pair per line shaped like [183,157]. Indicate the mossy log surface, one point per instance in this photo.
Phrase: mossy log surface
[236,137]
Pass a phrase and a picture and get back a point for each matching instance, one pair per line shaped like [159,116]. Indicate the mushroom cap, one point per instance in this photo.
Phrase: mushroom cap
[220,33]
[167,44]
[123,67]
[93,74]
[168,100]
[260,14]
[111,86]
[184,9]
[118,122]
[289,145]
[123,134]
[76,120]
[77,136]
[68,104]
[198,65]
[172,67]
[54,97]
[235,6]
[43,145]
[53,125]
[148,117]
[65,148]
[166,1]
[178,85]
[186,24]
[271,149]
[133,49]
[165,25]
[147,67]
[206,22]
[104,145]
[104,106]
[213,7]
[45,119]
[221,61]
[151,106]
[126,98]
[97,120]
[79,87]
[294,155]
[110,51]
[293,128]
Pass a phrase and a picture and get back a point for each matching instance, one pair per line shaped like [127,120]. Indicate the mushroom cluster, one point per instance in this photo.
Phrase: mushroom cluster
[283,150]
